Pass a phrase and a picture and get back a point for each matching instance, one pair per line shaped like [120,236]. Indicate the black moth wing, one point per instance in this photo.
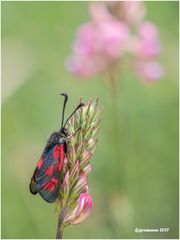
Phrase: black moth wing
[47,176]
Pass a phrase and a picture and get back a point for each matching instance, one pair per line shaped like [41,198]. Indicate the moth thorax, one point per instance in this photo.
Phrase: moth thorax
[62,140]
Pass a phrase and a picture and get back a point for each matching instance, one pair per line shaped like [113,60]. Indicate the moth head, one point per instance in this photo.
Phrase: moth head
[63,132]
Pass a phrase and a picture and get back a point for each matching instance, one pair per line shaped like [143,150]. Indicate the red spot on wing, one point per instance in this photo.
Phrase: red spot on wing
[56,152]
[40,162]
[38,166]
[50,186]
[59,153]
[61,157]
[46,186]
[49,171]
[54,181]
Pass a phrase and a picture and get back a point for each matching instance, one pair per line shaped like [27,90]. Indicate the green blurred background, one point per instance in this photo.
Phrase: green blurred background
[36,39]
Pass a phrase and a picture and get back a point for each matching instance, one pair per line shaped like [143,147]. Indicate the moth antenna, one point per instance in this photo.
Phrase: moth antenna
[80,105]
[72,135]
[64,106]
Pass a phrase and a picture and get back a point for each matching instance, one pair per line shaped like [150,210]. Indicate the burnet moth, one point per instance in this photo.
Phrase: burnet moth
[47,176]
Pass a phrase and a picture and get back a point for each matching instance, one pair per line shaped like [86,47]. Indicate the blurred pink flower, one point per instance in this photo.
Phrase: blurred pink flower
[151,71]
[134,11]
[131,12]
[148,44]
[98,43]
[82,210]
[116,29]
[99,12]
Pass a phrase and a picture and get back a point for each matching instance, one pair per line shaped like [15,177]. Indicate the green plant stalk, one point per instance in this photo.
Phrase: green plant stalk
[59,232]
[117,140]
